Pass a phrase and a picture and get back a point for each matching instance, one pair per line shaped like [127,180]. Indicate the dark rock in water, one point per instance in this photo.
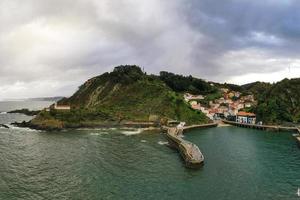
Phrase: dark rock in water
[26,112]
[4,126]
[30,125]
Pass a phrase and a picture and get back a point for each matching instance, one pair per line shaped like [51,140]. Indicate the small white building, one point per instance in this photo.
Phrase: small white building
[61,107]
[188,97]
[246,118]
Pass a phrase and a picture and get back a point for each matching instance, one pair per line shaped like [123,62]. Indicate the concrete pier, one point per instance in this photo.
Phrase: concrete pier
[190,152]
[268,128]
[262,127]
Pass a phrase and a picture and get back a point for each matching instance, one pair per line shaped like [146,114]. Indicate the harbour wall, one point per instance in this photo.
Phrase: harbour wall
[262,127]
[268,128]
[190,152]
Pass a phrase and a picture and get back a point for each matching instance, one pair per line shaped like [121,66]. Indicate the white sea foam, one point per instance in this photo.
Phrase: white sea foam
[95,134]
[162,142]
[98,133]
[3,113]
[143,141]
[22,128]
[132,132]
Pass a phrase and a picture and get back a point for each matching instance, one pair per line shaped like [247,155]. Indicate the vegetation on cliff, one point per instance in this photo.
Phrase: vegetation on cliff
[126,94]
[190,84]
[280,102]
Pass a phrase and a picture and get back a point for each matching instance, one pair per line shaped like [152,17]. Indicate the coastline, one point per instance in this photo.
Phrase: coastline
[128,124]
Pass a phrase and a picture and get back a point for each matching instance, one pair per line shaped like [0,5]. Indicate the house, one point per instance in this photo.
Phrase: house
[224,90]
[237,94]
[193,103]
[230,94]
[189,97]
[60,107]
[246,118]
[196,106]
[248,104]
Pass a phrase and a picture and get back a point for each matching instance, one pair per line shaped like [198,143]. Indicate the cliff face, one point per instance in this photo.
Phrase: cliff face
[126,94]
[280,102]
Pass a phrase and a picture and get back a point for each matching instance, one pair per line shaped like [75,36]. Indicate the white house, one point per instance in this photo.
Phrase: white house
[246,118]
[61,107]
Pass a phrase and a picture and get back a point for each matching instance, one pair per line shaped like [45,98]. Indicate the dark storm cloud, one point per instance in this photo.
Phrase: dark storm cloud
[51,47]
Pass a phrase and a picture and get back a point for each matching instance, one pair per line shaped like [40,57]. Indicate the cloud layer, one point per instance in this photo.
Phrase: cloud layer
[50,47]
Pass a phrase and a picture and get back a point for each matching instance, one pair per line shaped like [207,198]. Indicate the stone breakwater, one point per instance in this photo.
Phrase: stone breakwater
[191,154]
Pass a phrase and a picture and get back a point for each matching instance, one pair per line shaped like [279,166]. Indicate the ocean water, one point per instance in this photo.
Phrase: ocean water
[240,164]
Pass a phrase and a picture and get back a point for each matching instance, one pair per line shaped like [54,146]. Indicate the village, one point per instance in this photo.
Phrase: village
[231,105]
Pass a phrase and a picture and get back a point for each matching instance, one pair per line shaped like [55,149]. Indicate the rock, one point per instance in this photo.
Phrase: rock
[4,126]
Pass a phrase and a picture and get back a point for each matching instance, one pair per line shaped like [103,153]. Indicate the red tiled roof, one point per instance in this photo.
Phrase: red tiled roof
[241,113]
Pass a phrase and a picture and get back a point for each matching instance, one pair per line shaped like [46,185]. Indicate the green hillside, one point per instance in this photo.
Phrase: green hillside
[280,102]
[126,94]
[257,88]
[190,84]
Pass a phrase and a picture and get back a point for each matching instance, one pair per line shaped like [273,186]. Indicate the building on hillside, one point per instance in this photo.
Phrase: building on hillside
[196,106]
[246,118]
[230,94]
[248,104]
[218,116]
[224,90]
[60,107]
[248,98]
[188,97]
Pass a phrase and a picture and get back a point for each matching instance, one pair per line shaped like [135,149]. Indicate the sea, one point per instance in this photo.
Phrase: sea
[92,164]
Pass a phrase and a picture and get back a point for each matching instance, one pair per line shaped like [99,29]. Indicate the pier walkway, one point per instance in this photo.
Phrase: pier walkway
[268,128]
[190,152]
[262,127]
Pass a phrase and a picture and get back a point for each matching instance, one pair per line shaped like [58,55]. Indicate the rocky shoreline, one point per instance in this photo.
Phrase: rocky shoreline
[26,111]
[46,127]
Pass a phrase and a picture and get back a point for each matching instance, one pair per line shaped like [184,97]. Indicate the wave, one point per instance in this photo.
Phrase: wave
[22,128]
[3,113]
[163,143]
[97,134]
[132,132]
[96,129]
[143,141]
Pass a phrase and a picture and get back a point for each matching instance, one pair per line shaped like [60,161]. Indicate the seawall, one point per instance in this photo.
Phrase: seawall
[268,128]
[190,152]
[262,127]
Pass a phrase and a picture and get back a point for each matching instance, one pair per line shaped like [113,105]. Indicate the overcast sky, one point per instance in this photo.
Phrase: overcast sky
[50,47]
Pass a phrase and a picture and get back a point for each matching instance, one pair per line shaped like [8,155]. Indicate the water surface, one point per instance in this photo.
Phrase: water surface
[115,164]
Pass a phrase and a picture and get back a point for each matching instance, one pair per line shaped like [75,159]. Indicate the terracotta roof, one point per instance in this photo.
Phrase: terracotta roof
[241,113]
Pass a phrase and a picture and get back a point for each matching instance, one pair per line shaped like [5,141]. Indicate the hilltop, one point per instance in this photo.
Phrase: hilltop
[126,94]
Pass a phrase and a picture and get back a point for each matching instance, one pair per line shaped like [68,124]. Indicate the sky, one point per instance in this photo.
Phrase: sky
[50,47]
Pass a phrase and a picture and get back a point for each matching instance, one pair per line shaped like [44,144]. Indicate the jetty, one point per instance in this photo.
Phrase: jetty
[261,127]
[268,128]
[191,154]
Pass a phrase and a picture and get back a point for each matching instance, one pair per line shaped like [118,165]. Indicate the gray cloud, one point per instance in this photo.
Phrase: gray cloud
[50,47]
